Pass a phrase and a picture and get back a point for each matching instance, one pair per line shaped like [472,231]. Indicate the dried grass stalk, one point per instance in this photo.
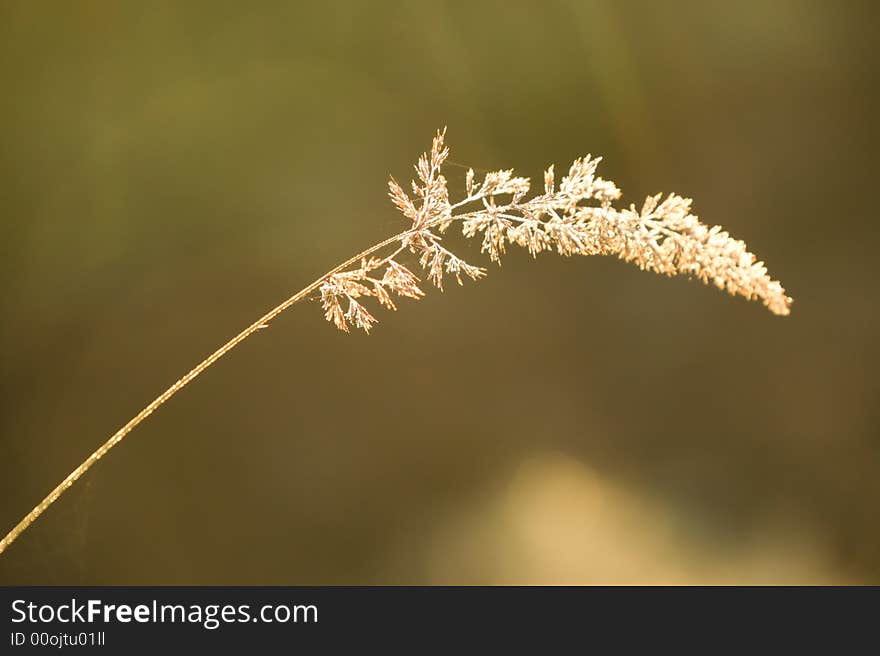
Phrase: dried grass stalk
[573,217]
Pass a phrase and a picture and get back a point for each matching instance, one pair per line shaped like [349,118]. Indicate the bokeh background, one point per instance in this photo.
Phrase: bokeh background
[169,171]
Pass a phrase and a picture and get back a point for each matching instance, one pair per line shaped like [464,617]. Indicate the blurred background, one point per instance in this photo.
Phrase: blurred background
[172,170]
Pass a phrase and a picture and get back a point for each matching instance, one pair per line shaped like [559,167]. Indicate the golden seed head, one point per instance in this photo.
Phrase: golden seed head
[575,217]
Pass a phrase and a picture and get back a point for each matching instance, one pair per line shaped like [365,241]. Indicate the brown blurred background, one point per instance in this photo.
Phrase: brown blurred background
[172,170]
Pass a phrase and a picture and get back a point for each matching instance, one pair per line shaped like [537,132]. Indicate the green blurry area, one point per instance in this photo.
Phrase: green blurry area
[169,171]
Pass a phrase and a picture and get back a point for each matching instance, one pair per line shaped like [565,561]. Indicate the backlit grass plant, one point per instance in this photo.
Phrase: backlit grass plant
[575,215]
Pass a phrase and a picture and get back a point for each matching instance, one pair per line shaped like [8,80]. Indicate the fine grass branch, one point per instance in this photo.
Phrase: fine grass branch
[574,217]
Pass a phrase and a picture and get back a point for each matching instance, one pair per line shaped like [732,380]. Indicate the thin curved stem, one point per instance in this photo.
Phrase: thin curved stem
[708,253]
[120,435]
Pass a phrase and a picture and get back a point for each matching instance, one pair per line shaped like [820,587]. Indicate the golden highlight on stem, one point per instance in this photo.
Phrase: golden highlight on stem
[120,435]
[575,216]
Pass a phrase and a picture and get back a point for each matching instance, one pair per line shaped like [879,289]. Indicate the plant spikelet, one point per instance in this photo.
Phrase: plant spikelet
[573,216]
